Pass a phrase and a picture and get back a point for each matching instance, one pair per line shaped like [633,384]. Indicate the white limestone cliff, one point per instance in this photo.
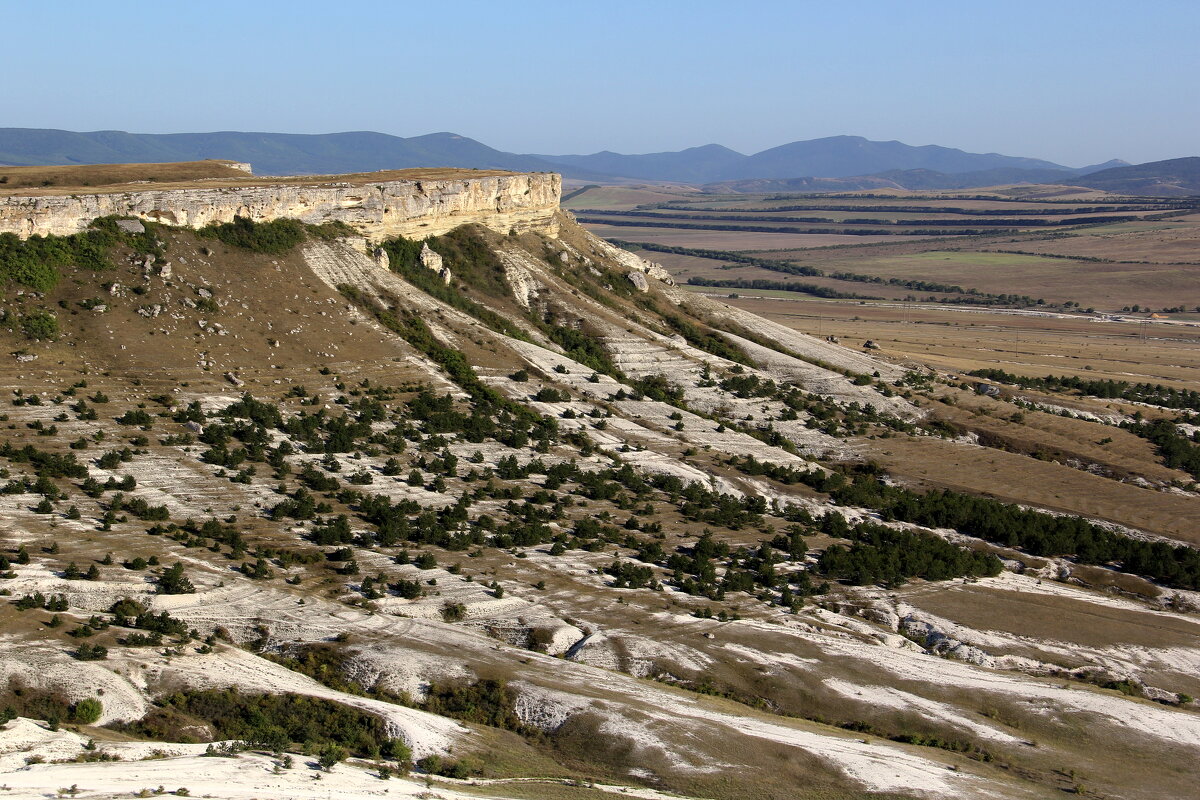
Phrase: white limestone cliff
[413,208]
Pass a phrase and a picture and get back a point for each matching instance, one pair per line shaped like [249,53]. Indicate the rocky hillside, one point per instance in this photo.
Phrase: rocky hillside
[506,507]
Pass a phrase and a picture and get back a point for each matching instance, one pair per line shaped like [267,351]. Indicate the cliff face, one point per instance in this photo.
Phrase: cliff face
[412,208]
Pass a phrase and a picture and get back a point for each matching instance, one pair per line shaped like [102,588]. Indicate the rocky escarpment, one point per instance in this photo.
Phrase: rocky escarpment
[413,207]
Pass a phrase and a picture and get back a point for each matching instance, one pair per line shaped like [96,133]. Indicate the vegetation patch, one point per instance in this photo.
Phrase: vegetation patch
[275,237]
[469,260]
[1152,393]
[35,262]
[273,722]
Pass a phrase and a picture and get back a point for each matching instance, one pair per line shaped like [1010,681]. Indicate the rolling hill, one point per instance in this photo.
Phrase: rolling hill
[269,153]
[1172,177]
[364,151]
[910,179]
[830,157]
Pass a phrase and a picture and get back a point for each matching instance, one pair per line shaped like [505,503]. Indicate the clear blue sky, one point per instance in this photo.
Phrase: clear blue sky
[1073,82]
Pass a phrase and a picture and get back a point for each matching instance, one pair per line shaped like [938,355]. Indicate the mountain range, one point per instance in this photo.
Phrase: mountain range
[830,157]
[835,163]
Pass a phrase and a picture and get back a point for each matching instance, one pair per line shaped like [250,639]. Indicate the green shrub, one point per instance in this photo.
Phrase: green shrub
[275,237]
[39,324]
[35,262]
[91,652]
[273,721]
[86,711]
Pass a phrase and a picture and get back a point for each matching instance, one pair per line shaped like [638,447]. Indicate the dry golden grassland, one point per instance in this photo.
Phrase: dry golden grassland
[95,175]
[104,178]
[972,338]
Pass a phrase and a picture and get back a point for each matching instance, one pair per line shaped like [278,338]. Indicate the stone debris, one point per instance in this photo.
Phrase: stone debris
[638,279]
[234,379]
[382,259]
[131,226]
[430,259]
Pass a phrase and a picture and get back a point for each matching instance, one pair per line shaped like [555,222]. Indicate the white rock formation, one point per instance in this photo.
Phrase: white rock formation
[413,208]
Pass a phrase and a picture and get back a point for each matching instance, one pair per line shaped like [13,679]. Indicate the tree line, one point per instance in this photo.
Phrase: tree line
[1152,393]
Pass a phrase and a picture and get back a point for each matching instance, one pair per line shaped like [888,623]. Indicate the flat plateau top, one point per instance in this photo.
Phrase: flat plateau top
[109,178]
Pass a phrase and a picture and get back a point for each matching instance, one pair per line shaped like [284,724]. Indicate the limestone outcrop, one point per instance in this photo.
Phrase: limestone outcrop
[413,208]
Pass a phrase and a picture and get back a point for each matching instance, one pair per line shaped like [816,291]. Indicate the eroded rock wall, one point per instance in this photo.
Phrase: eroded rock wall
[412,208]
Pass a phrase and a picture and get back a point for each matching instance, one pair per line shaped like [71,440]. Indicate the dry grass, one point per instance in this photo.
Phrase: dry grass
[967,339]
[624,197]
[1017,478]
[1059,619]
[96,175]
[1099,285]
[198,174]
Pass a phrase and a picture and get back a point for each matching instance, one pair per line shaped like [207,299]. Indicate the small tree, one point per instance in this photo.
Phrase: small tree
[330,755]
[39,324]
[173,581]
[87,711]
[91,652]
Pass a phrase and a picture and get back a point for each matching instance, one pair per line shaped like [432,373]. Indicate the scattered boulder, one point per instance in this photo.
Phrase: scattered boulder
[382,259]
[638,279]
[131,226]
[234,379]
[430,259]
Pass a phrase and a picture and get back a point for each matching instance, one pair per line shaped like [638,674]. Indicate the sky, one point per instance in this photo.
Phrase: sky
[1072,82]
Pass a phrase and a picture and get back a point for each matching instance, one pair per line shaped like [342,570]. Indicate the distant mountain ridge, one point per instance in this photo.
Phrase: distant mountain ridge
[829,157]
[268,153]
[908,179]
[1174,177]
[364,151]
[834,163]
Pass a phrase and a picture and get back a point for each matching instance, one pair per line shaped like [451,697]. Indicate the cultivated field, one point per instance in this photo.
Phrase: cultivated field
[958,339]
[1094,250]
